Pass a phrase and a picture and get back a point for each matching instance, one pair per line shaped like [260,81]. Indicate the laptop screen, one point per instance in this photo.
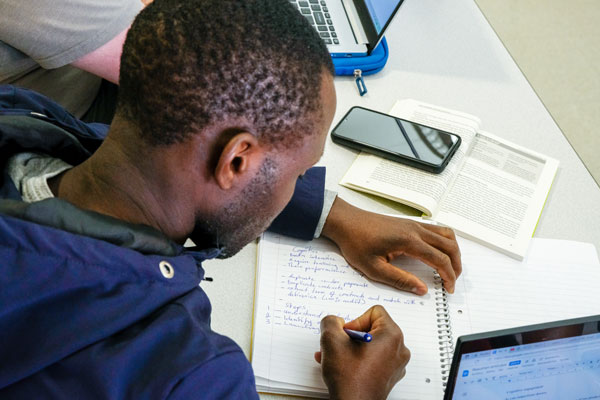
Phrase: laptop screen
[375,16]
[565,367]
[380,12]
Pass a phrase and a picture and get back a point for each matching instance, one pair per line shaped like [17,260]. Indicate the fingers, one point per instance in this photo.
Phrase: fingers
[332,330]
[371,241]
[444,239]
[332,323]
[374,318]
[333,337]
[436,246]
[397,278]
[440,230]
[436,259]
[352,369]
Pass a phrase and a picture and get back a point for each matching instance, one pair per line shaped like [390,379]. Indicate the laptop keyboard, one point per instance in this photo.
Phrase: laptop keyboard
[317,13]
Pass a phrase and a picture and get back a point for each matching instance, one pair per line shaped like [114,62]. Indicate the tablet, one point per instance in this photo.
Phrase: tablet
[556,360]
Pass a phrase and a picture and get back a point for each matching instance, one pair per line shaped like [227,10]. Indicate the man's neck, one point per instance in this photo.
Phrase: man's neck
[111,183]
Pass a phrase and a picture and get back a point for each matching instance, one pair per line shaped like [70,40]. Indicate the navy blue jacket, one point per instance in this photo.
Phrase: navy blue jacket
[85,311]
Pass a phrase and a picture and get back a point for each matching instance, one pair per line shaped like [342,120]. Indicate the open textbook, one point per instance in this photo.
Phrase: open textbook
[298,283]
[492,190]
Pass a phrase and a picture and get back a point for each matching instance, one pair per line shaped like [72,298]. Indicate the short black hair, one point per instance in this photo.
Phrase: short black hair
[189,63]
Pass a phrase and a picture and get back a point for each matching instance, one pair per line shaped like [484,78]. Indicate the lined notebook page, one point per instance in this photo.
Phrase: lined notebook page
[298,283]
[558,279]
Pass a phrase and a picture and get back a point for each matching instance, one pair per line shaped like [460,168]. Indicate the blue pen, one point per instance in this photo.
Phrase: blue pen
[357,335]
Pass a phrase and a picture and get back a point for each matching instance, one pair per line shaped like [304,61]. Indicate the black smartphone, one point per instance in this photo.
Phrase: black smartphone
[396,139]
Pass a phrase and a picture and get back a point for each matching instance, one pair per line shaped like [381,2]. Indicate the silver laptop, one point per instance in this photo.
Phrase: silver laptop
[349,27]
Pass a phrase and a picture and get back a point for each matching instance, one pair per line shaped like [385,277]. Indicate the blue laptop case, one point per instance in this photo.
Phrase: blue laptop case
[359,66]
[368,65]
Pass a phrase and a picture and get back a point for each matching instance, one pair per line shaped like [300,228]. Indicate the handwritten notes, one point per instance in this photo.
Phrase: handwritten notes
[299,283]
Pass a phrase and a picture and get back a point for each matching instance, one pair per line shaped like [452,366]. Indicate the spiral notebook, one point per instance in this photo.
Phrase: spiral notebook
[298,283]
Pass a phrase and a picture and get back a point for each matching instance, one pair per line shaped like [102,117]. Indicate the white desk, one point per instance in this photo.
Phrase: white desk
[442,52]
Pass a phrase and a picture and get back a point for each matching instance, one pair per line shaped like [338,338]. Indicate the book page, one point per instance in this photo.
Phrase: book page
[498,194]
[557,280]
[301,282]
[419,189]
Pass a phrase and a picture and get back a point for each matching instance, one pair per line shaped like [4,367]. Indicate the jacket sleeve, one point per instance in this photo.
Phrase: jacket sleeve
[228,376]
[301,216]
[21,101]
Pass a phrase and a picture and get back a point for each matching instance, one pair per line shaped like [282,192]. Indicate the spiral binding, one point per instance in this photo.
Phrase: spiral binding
[444,327]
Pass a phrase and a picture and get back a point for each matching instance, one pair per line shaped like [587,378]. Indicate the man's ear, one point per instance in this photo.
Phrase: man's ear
[239,160]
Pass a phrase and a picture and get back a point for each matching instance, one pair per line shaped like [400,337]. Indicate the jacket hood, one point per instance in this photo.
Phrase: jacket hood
[69,277]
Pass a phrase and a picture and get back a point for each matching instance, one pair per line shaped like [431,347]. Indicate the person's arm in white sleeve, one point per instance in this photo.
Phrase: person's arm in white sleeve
[106,60]
[84,33]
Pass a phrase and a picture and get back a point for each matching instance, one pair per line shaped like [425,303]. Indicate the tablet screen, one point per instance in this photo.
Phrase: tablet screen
[566,368]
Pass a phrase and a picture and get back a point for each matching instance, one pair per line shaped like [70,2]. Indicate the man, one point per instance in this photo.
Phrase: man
[84,40]
[223,104]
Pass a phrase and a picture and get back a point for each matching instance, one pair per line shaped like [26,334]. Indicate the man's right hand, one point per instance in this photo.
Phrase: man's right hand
[357,370]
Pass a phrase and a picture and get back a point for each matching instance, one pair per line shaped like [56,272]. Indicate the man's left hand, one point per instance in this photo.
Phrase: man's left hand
[370,241]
